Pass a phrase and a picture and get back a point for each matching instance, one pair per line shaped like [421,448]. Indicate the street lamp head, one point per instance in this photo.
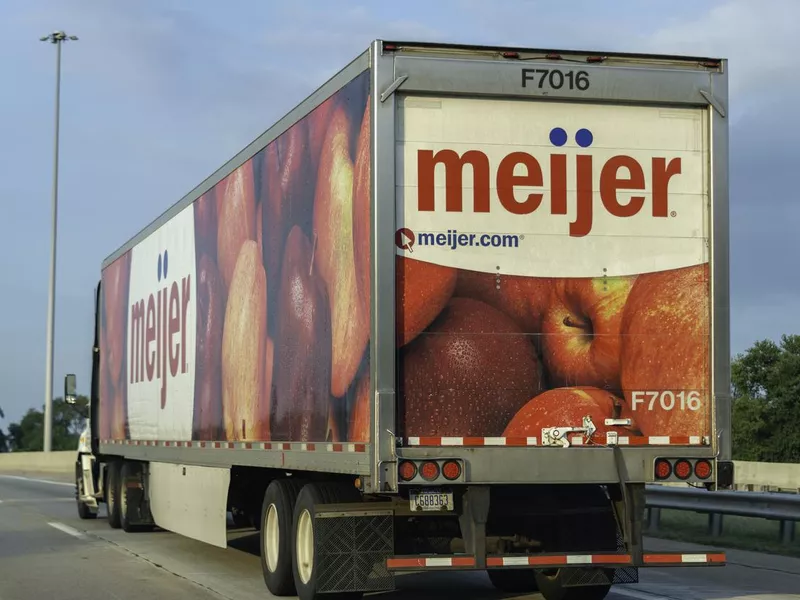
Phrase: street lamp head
[58,36]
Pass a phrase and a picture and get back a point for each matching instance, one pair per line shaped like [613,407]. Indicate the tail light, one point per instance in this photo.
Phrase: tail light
[683,469]
[429,470]
[663,469]
[407,470]
[702,469]
[451,470]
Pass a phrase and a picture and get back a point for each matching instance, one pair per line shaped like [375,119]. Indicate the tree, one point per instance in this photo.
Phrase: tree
[28,434]
[3,438]
[766,405]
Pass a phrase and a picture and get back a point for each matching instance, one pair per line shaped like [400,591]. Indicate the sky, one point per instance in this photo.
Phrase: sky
[157,94]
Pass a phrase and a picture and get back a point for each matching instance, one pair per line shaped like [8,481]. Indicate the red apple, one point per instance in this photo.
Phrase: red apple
[665,352]
[265,408]
[358,430]
[302,372]
[423,289]
[116,279]
[468,374]
[205,225]
[524,299]
[361,211]
[581,328]
[273,222]
[566,407]
[210,318]
[335,254]
[236,211]
[318,121]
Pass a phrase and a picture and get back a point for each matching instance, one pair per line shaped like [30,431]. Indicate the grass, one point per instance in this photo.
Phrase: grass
[743,533]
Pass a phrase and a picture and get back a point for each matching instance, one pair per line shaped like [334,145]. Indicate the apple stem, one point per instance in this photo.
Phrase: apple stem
[313,252]
[570,323]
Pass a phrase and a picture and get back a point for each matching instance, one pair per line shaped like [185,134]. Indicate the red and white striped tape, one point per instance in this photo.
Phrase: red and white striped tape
[279,446]
[574,440]
[542,560]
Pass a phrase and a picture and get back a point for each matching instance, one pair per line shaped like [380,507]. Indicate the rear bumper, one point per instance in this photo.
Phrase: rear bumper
[549,561]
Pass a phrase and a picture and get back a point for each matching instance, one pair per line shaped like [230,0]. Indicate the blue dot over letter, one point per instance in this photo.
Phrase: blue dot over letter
[584,138]
[558,137]
[165,264]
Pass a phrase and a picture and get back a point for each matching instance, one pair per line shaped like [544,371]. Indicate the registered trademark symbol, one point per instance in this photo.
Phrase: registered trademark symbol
[673,214]
[521,237]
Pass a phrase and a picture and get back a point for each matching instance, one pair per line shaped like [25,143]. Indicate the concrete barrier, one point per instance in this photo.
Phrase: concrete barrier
[56,463]
[766,477]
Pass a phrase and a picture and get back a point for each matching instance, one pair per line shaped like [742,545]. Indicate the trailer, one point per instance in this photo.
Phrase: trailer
[454,311]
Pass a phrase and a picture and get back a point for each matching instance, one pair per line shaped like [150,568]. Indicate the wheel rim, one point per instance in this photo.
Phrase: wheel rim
[305,546]
[272,538]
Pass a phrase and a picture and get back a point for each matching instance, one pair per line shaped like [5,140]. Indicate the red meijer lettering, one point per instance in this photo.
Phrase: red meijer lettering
[618,174]
[158,335]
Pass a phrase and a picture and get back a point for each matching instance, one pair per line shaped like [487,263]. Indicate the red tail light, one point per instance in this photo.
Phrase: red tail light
[683,469]
[702,469]
[429,470]
[451,470]
[407,470]
[663,469]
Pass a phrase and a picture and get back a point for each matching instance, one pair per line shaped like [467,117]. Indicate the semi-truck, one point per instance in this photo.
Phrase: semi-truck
[456,310]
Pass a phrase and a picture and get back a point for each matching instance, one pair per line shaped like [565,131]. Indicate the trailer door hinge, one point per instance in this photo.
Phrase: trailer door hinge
[393,87]
[557,436]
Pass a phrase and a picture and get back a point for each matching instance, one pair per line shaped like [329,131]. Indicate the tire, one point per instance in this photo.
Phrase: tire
[113,489]
[84,512]
[129,470]
[515,581]
[303,565]
[276,564]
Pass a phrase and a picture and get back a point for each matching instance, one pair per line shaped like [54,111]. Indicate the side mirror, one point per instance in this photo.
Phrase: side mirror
[70,385]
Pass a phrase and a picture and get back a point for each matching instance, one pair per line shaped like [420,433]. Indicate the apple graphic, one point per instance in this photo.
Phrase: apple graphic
[566,407]
[205,225]
[302,373]
[333,435]
[422,291]
[335,256]
[243,342]
[106,408]
[666,351]
[318,121]
[265,408]
[358,428]
[116,278]
[273,223]
[236,213]
[208,384]
[468,374]
[524,299]
[581,332]
[361,211]
[296,176]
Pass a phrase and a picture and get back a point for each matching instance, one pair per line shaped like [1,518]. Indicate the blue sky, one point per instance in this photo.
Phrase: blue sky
[158,93]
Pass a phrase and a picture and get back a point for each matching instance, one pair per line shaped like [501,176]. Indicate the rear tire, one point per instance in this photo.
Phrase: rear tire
[113,488]
[305,568]
[129,470]
[276,535]
[515,581]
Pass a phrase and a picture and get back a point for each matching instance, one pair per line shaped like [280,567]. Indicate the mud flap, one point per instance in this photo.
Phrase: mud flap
[136,503]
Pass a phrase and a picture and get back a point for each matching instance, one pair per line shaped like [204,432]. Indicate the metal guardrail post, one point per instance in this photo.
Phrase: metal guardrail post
[787,532]
[715,521]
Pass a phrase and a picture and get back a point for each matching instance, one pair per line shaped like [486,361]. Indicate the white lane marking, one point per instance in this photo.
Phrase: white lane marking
[36,480]
[67,529]
[637,594]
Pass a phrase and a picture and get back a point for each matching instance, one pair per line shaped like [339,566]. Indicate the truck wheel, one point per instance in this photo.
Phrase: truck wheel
[276,535]
[550,586]
[130,470]
[84,512]
[113,488]
[306,569]
[518,581]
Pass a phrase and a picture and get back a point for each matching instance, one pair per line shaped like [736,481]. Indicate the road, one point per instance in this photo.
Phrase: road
[47,552]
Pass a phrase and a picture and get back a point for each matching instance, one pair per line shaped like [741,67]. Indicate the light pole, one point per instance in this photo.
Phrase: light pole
[57,37]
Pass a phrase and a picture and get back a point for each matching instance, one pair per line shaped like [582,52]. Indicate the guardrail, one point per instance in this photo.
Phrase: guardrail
[784,508]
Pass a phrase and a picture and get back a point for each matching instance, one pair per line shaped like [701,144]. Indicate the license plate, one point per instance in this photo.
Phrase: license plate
[431,500]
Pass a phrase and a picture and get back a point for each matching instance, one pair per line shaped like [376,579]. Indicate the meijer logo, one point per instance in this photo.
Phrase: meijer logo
[158,331]
[620,173]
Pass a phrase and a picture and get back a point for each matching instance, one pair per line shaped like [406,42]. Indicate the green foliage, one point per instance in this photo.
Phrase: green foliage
[766,406]
[28,434]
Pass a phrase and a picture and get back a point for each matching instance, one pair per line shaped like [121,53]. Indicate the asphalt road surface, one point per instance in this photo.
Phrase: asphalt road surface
[46,551]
